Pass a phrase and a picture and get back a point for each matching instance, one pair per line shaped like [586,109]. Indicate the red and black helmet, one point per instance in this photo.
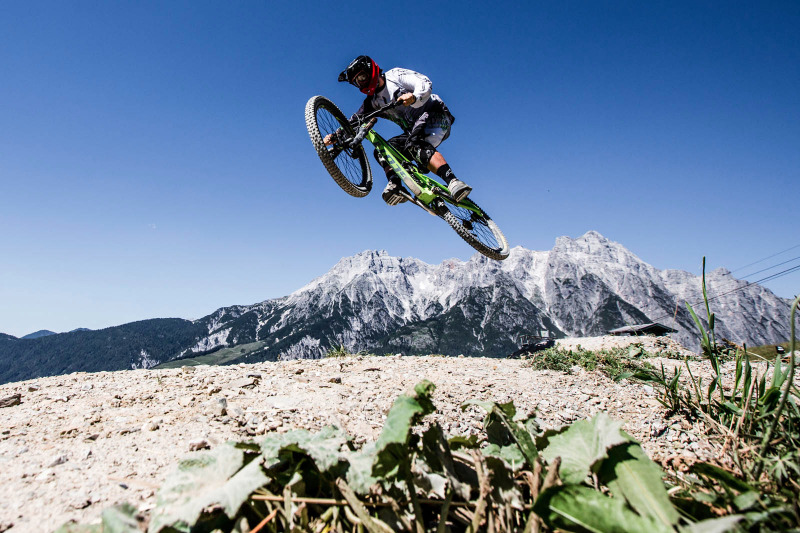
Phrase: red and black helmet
[362,72]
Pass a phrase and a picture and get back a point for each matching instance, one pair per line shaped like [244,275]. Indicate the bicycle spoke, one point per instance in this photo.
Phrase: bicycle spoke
[348,166]
[476,226]
[343,158]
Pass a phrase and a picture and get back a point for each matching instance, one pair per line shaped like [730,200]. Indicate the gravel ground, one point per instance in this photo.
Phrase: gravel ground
[649,344]
[78,443]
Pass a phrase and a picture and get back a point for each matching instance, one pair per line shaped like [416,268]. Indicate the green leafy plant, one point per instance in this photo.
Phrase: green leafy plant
[588,476]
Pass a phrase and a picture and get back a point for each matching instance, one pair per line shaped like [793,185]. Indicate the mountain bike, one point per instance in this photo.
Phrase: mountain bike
[346,161]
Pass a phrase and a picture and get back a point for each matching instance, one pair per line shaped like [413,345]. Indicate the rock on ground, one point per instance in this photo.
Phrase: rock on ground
[648,343]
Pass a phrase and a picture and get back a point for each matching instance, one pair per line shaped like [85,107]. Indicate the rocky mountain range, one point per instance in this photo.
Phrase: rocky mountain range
[383,304]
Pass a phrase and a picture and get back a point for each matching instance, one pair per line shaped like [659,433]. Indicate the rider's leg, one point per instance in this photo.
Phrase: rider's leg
[383,163]
[438,165]
[391,193]
[397,142]
[436,161]
[423,147]
[458,189]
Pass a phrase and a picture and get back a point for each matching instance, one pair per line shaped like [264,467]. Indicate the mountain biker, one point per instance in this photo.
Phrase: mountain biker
[424,118]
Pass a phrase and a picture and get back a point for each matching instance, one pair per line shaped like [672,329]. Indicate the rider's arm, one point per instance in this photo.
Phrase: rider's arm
[417,84]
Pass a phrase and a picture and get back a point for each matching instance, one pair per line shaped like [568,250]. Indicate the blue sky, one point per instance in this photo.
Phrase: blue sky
[154,160]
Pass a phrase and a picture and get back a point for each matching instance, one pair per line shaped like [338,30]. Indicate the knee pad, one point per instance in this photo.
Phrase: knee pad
[421,151]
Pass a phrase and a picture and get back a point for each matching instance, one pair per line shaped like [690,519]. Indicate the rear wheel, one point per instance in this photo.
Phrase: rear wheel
[348,167]
[478,230]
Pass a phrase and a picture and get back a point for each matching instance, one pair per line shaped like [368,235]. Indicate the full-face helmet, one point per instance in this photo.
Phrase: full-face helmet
[362,72]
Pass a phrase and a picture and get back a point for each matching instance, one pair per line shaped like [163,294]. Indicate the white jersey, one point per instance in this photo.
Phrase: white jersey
[401,81]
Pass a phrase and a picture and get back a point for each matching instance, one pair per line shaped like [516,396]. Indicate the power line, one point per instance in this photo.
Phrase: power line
[768,278]
[770,268]
[748,284]
[765,258]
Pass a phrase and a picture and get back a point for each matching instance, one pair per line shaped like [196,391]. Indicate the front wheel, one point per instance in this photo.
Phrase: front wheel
[348,167]
[476,228]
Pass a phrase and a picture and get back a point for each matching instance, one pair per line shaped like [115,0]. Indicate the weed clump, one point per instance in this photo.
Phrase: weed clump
[616,363]
[756,417]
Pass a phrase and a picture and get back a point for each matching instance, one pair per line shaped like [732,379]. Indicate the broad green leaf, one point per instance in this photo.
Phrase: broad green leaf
[496,429]
[504,489]
[630,474]
[510,454]
[714,525]
[583,444]
[202,481]
[392,445]
[324,446]
[439,458]
[494,424]
[503,414]
[746,500]
[703,497]
[120,519]
[754,518]
[359,474]
[463,442]
[530,423]
[581,509]
[431,484]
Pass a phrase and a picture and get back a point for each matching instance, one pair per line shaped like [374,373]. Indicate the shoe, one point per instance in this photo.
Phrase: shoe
[391,193]
[458,189]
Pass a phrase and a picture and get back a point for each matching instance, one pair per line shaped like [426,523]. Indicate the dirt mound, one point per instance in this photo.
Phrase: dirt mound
[78,443]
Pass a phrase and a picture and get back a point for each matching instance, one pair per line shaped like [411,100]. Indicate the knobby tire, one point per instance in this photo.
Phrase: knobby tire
[349,168]
[479,231]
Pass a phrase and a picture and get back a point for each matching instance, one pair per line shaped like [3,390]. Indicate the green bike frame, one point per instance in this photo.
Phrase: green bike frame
[424,189]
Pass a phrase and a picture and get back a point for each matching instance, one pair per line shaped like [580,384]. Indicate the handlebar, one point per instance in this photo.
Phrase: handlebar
[369,121]
[387,107]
